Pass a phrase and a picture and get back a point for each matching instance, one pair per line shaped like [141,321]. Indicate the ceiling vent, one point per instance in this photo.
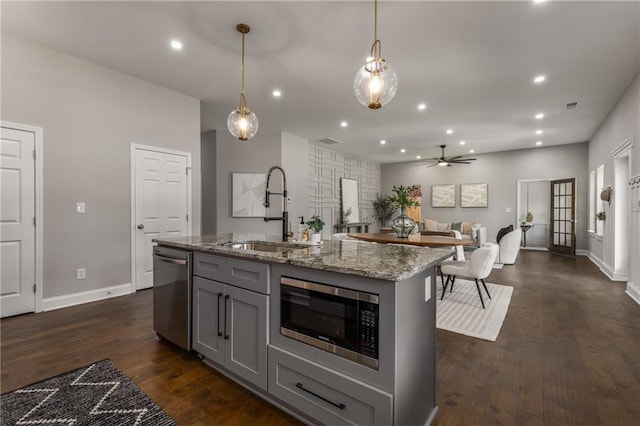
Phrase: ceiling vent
[328,141]
[571,105]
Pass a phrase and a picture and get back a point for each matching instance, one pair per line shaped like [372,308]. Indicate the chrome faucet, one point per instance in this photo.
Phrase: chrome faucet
[285,215]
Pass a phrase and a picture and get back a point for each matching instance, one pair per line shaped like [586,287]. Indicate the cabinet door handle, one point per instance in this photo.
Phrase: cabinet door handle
[226,298]
[302,388]
[219,332]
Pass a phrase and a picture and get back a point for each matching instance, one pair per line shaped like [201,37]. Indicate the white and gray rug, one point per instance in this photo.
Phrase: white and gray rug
[461,311]
[97,395]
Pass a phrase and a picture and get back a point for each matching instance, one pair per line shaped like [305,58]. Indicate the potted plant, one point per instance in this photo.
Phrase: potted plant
[383,211]
[402,198]
[315,224]
[345,215]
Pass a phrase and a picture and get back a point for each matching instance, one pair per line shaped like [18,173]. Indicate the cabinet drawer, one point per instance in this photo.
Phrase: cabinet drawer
[326,395]
[249,275]
[210,266]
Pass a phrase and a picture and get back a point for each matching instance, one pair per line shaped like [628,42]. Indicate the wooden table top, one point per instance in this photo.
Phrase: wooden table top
[414,239]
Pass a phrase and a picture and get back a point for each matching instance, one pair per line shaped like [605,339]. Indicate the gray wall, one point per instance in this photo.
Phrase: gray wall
[501,171]
[256,155]
[295,151]
[622,124]
[90,116]
[208,171]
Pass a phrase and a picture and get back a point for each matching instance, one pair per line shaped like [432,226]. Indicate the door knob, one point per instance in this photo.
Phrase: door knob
[141,226]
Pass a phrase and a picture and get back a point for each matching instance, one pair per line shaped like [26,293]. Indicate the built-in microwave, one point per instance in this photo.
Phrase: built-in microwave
[335,319]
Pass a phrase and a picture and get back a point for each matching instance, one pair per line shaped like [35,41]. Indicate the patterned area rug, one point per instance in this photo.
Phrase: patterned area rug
[461,311]
[97,395]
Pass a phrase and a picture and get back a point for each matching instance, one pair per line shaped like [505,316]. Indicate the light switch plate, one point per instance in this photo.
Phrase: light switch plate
[507,210]
[81,207]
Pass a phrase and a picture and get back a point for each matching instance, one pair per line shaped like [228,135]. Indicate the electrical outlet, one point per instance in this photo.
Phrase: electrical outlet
[507,210]
[427,289]
[81,273]
[81,207]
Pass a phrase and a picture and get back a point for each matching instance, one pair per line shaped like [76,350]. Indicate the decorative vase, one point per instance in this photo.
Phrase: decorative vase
[529,217]
[402,225]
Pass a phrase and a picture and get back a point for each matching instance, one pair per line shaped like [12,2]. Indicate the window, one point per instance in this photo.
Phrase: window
[596,184]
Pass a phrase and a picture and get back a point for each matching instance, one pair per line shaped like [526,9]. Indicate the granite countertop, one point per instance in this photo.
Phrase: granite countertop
[382,261]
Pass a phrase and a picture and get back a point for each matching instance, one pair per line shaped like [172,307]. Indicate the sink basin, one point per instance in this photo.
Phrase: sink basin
[266,246]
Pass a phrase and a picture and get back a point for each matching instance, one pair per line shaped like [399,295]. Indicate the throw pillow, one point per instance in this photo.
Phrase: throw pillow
[430,225]
[444,227]
[504,231]
[456,226]
[466,228]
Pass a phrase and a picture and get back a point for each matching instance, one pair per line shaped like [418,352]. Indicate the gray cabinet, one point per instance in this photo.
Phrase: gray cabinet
[230,324]
[325,395]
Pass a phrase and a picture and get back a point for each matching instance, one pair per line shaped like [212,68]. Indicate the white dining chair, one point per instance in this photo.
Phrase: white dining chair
[478,267]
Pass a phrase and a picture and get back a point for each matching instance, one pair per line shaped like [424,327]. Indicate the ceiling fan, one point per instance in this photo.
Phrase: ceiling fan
[444,161]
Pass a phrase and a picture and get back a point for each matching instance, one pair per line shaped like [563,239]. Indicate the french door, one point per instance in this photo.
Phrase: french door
[563,216]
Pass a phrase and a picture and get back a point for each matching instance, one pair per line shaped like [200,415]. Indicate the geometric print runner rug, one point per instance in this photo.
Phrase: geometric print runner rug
[461,311]
[98,395]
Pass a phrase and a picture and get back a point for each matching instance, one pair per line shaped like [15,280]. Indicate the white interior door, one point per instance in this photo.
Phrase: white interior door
[17,228]
[161,205]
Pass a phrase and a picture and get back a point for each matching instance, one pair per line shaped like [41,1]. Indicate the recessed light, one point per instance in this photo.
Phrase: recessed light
[539,116]
[276,93]
[176,44]
[539,79]
[538,132]
[539,1]
[462,142]
[422,106]
[382,142]
[449,131]
[471,151]
[418,157]
[538,143]
[403,150]
[344,124]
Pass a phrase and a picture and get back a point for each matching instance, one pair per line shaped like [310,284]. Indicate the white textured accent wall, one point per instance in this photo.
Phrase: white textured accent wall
[326,167]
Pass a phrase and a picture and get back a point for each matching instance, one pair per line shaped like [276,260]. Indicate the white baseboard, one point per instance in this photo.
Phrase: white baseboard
[605,268]
[67,300]
[633,290]
[581,252]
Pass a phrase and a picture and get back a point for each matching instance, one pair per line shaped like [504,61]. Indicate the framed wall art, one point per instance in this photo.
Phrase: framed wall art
[247,194]
[443,195]
[474,195]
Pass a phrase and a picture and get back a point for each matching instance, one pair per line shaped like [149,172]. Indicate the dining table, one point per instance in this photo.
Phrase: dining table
[413,239]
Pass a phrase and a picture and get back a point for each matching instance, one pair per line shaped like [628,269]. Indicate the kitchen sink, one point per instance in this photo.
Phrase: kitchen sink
[270,247]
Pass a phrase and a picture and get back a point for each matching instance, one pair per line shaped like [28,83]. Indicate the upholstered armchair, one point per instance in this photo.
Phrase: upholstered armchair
[509,247]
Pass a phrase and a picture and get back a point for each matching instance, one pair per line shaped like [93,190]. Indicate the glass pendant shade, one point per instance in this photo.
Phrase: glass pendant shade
[242,123]
[375,84]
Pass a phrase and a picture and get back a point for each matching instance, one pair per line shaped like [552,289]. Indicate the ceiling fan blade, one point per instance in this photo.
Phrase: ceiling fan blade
[455,158]
[459,162]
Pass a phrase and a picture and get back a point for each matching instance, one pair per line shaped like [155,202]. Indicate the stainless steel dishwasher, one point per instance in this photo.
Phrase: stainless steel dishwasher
[172,295]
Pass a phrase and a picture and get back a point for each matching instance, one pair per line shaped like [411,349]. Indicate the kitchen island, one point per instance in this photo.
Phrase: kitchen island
[262,315]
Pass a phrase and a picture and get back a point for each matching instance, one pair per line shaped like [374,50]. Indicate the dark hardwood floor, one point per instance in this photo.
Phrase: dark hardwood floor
[568,354]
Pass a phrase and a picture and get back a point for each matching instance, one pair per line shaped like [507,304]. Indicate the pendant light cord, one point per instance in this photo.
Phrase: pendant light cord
[375,21]
[242,67]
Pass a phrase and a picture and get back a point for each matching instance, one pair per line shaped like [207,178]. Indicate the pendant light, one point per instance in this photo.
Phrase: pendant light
[242,122]
[376,82]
